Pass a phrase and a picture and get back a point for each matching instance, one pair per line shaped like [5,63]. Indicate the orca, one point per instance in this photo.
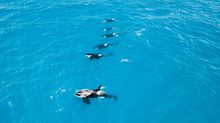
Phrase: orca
[86,94]
[92,56]
[111,35]
[102,46]
[108,29]
[109,20]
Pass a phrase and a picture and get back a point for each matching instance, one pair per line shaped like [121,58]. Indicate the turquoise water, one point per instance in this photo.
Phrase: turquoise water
[165,67]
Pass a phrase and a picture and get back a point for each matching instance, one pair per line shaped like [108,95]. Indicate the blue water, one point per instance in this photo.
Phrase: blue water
[165,68]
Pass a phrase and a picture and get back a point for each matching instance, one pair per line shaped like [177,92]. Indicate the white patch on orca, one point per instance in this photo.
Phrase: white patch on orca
[115,34]
[88,56]
[83,93]
[139,32]
[100,92]
[103,87]
[101,97]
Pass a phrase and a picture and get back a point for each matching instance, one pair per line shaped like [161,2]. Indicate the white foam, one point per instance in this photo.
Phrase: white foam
[51,97]
[139,32]
[10,104]
[63,90]
[125,60]
[59,110]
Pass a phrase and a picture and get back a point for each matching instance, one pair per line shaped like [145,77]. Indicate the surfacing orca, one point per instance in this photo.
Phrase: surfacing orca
[111,35]
[108,29]
[92,56]
[85,94]
[102,46]
[109,20]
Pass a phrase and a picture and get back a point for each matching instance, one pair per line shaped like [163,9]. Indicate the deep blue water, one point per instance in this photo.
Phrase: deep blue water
[165,68]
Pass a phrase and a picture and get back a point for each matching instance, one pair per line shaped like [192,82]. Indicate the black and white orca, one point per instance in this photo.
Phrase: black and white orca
[108,29]
[110,35]
[102,46]
[92,56]
[86,94]
[109,20]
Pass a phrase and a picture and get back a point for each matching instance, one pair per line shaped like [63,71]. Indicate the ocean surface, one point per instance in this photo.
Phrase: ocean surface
[164,67]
